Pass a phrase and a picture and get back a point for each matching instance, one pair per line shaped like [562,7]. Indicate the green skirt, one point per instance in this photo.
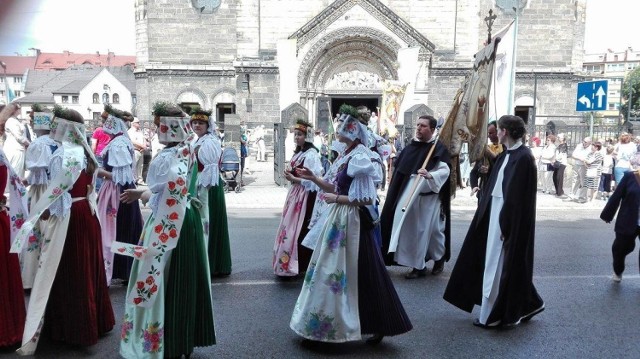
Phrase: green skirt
[188,307]
[219,246]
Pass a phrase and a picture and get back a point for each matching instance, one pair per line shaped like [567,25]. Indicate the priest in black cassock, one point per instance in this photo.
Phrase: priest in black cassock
[421,232]
[495,267]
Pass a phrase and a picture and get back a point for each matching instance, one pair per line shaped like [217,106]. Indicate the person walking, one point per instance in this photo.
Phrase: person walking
[290,257]
[495,267]
[213,213]
[168,305]
[347,291]
[121,222]
[415,219]
[482,168]
[71,264]
[625,201]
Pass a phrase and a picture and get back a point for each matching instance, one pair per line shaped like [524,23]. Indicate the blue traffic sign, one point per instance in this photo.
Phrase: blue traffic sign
[592,96]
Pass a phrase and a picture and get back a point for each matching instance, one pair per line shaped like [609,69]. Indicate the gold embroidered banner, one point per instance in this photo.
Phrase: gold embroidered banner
[392,96]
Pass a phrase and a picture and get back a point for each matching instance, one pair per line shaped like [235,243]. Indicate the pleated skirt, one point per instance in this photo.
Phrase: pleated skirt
[381,311]
[219,245]
[12,310]
[129,226]
[79,308]
[188,309]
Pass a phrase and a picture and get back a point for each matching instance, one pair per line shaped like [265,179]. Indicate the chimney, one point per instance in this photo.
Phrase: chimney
[66,52]
[97,53]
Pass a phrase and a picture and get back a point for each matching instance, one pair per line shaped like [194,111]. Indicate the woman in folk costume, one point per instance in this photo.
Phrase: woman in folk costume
[290,257]
[120,222]
[495,267]
[69,299]
[211,193]
[347,291]
[12,311]
[37,161]
[168,308]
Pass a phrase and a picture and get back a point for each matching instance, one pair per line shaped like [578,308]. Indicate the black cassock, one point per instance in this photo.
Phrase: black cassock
[517,296]
[409,162]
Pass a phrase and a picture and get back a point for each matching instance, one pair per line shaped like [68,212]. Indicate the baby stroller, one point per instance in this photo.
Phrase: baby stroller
[229,169]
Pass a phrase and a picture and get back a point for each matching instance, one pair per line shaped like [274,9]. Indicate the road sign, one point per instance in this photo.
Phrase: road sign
[592,96]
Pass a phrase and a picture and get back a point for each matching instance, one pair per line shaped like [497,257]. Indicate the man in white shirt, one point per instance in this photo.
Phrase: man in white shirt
[579,155]
[140,145]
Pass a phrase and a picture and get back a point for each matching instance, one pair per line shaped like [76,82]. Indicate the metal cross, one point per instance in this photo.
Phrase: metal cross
[489,21]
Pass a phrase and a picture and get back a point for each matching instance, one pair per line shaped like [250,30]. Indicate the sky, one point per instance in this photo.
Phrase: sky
[80,26]
[87,26]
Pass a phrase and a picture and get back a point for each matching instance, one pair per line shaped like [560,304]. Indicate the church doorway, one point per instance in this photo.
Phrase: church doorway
[372,103]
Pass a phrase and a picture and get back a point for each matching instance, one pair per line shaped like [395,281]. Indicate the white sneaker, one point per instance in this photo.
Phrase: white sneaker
[616,278]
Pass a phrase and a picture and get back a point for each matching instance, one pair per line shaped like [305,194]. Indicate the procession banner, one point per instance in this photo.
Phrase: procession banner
[392,96]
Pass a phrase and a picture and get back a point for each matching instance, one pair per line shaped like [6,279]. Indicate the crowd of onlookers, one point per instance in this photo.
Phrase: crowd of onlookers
[596,165]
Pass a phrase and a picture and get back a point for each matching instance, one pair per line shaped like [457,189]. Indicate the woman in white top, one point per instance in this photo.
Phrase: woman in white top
[15,144]
[623,153]
[547,158]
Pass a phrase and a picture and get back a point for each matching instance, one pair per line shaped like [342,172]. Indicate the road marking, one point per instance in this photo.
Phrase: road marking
[269,282]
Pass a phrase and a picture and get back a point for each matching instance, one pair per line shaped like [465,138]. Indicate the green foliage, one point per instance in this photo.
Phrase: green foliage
[349,110]
[631,90]
[161,108]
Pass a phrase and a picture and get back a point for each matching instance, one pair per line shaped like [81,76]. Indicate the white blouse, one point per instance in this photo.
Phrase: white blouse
[209,153]
[120,157]
[37,160]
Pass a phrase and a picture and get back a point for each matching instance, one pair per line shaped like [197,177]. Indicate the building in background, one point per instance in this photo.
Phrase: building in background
[613,66]
[84,88]
[12,77]
[254,59]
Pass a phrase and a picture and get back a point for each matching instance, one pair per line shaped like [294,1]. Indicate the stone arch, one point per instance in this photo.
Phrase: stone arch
[192,94]
[366,48]
[225,94]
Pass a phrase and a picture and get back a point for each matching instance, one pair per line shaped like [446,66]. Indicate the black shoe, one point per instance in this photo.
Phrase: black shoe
[415,273]
[477,323]
[438,267]
[528,317]
[375,339]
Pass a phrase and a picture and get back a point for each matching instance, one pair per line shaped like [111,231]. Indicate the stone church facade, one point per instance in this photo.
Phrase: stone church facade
[255,58]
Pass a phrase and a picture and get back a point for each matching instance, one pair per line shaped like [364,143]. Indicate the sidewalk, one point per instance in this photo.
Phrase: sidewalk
[261,192]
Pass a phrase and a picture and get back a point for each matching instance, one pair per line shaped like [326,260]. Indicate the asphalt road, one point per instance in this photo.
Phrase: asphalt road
[586,316]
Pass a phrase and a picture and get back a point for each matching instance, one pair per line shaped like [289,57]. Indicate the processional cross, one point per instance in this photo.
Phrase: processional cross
[489,21]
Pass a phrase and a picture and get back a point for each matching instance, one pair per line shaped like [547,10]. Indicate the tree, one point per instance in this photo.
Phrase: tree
[631,89]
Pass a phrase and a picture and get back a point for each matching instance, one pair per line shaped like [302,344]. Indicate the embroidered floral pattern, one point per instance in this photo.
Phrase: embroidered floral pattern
[337,237]
[337,282]
[152,338]
[145,289]
[283,261]
[320,326]
[127,326]
[112,212]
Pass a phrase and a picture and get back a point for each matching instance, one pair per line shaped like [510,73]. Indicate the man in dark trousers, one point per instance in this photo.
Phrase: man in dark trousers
[415,225]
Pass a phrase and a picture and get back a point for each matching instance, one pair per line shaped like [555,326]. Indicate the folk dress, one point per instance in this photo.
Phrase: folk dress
[38,157]
[289,256]
[180,315]
[119,221]
[347,291]
[214,207]
[12,311]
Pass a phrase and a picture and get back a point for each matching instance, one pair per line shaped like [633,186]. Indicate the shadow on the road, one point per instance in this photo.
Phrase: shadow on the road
[384,349]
